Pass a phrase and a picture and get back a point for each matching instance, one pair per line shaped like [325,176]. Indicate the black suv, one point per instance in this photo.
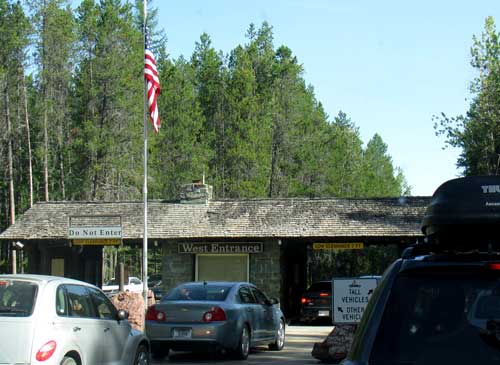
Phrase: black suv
[440,302]
[316,302]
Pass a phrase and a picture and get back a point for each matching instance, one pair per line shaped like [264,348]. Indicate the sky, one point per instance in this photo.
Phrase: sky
[389,65]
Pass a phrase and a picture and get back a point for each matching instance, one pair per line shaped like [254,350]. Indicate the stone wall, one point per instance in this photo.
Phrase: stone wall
[265,269]
[176,268]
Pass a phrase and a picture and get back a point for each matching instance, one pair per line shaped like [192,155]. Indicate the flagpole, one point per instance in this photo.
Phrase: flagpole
[145,186]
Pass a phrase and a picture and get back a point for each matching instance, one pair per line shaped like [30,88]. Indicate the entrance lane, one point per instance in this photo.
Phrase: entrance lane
[298,347]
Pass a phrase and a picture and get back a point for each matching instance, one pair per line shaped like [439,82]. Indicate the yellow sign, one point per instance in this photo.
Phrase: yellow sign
[98,242]
[338,246]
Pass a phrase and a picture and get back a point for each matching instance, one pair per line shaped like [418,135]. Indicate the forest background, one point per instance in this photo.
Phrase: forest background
[72,107]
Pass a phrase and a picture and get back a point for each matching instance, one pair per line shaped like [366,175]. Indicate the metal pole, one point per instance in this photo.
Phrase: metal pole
[21,260]
[145,238]
[121,277]
[14,261]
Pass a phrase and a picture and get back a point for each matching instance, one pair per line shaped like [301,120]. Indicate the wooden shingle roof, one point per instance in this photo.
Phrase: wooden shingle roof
[256,218]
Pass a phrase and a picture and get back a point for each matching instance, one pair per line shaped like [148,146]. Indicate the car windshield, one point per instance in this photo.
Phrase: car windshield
[437,318]
[17,298]
[208,292]
[111,282]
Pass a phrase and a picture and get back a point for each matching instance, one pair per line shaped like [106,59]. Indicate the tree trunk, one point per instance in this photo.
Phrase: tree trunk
[28,140]
[46,153]
[12,207]
[12,210]
[45,106]
[274,158]
[61,163]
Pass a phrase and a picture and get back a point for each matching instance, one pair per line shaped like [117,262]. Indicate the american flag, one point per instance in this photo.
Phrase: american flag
[153,83]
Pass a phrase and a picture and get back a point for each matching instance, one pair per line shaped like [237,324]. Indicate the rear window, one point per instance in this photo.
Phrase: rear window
[208,292]
[441,318]
[321,286]
[17,298]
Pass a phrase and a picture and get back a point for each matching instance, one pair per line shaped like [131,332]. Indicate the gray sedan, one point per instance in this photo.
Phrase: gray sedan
[211,316]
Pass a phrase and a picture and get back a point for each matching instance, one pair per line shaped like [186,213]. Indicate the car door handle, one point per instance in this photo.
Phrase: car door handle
[76,329]
[249,309]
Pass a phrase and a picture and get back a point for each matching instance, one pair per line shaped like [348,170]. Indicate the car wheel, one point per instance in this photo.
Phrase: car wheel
[142,356]
[243,348]
[67,360]
[279,343]
[159,352]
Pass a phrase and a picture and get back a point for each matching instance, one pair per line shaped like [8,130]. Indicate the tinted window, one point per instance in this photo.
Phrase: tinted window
[79,303]
[103,306]
[260,296]
[208,292]
[438,318]
[111,282]
[135,281]
[246,295]
[17,298]
[321,286]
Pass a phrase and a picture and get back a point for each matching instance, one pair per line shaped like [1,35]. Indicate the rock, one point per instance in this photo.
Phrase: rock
[133,303]
[336,345]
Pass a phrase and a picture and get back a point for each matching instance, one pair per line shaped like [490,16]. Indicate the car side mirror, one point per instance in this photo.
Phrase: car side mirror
[122,315]
[272,301]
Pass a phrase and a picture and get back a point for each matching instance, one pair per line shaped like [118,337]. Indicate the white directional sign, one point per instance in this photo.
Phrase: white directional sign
[78,233]
[350,297]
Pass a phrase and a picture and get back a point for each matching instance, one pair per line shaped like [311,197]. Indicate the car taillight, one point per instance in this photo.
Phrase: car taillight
[155,315]
[494,266]
[305,300]
[214,314]
[46,351]
[324,294]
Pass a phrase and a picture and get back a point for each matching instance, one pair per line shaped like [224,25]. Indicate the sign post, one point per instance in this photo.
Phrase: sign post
[350,297]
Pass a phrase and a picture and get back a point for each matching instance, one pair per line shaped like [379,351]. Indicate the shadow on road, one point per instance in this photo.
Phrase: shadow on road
[299,344]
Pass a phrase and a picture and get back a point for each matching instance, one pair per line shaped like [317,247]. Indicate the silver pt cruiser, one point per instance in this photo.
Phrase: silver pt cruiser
[53,320]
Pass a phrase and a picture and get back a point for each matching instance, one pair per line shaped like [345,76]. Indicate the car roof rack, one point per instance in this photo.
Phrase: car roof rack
[462,217]
[468,205]
[431,248]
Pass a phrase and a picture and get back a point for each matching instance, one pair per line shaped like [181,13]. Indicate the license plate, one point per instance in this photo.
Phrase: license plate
[181,333]
[323,313]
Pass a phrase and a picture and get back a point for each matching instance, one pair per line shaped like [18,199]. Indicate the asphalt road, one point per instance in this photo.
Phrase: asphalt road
[298,347]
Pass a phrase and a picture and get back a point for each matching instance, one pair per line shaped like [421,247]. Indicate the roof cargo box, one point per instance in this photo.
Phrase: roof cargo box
[463,208]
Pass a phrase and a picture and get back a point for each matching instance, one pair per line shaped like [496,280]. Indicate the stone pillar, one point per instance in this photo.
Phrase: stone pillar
[265,269]
[176,268]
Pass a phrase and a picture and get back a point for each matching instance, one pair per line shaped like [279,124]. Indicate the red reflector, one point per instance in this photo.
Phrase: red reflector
[323,294]
[155,315]
[494,266]
[46,351]
[214,314]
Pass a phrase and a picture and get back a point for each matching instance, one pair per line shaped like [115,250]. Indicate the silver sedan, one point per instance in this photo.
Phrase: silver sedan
[57,321]
[212,316]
